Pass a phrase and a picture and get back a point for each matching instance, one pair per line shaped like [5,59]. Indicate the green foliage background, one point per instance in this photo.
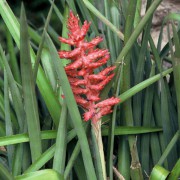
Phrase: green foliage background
[44,136]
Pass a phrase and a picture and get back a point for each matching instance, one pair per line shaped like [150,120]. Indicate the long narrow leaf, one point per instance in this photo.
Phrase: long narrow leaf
[43,174]
[102,18]
[4,174]
[51,134]
[13,59]
[72,160]
[17,100]
[159,172]
[147,116]
[175,173]
[173,141]
[9,128]
[129,93]
[36,65]
[122,130]
[60,151]
[176,68]
[28,86]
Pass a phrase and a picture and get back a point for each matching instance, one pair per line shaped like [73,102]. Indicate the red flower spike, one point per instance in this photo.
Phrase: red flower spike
[108,102]
[73,54]
[92,43]
[66,41]
[84,57]
[81,100]
[74,65]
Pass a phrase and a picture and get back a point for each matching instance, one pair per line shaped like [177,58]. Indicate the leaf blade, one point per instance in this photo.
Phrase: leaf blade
[28,87]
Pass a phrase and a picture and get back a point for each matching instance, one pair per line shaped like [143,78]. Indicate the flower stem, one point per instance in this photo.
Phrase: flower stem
[97,131]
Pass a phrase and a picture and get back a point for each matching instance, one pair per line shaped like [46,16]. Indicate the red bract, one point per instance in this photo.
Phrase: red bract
[84,57]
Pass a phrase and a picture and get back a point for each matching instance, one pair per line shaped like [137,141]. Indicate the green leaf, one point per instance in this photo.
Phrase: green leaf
[48,68]
[65,30]
[175,173]
[2,109]
[41,175]
[72,160]
[124,159]
[111,44]
[79,168]
[19,109]
[13,59]
[28,87]
[8,123]
[74,155]
[87,15]
[16,95]
[136,171]
[137,88]
[112,125]
[2,129]
[176,67]
[147,120]
[61,142]
[159,173]
[139,71]
[127,130]
[170,16]
[169,147]
[37,61]
[48,154]
[4,174]
[58,13]
[103,19]
[20,138]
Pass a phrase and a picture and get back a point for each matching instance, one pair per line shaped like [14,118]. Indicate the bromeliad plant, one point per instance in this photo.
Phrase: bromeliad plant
[77,154]
[86,85]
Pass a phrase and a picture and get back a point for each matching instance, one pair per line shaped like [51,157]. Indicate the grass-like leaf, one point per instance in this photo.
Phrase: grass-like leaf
[28,87]
[175,171]
[51,134]
[37,61]
[72,160]
[43,174]
[4,174]
[16,95]
[60,151]
[13,59]
[8,122]
[159,172]
[176,67]
[132,91]
[103,19]
[147,116]
[2,128]
[123,130]
[166,152]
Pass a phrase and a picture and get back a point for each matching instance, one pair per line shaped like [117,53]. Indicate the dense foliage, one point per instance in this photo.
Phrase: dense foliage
[44,98]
